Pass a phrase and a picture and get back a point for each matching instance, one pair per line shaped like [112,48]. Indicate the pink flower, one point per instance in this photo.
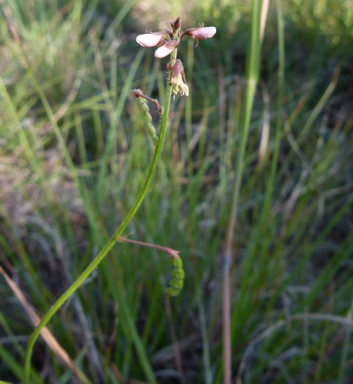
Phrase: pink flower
[150,39]
[201,33]
[166,49]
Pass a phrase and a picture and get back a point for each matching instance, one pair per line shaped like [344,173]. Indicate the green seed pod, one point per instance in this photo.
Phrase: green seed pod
[148,119]
[144,105]
[172,291]
[145,109]
[178,273]
[176,262]
[176,283]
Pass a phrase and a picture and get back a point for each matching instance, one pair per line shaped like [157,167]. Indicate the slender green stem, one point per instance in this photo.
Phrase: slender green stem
[252,75]
[109,245]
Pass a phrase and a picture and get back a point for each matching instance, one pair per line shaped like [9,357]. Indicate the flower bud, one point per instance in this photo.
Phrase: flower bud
[150,39]
[176,24]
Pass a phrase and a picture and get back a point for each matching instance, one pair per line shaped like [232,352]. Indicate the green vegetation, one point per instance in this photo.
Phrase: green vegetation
[75,152]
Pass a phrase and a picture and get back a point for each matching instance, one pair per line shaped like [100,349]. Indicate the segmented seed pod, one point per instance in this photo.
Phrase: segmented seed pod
[176,262]
[178,274]
[148,119]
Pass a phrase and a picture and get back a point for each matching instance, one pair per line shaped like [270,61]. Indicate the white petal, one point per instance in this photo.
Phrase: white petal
[163,51]
[149,40]
[204,33]
[166,49]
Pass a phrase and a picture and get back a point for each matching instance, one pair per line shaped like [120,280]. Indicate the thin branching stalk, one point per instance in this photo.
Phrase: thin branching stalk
[109,245]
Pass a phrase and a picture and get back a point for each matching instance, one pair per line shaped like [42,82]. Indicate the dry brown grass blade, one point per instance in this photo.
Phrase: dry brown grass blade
[264,12]
[46,334]
[10,22]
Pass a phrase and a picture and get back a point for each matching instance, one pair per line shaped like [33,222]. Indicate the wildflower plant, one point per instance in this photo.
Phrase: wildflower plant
[167,42]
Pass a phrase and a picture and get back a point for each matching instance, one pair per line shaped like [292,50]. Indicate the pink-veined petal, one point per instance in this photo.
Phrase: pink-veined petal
[150,39]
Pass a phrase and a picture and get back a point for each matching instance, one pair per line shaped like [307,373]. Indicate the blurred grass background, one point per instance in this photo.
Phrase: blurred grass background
[74,153]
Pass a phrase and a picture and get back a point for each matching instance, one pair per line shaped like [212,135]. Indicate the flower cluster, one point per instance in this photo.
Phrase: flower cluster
[167,41]
[164,40]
